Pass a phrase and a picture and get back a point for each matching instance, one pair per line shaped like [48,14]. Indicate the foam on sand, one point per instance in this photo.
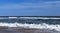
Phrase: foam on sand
[38,26]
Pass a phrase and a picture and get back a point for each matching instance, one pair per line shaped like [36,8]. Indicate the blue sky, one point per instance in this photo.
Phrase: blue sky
[29,7]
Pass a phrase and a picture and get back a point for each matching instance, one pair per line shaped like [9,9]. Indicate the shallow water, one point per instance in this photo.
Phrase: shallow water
[12,30]
[9,31]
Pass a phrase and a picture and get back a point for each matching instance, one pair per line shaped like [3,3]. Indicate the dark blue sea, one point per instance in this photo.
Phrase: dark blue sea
[31,20]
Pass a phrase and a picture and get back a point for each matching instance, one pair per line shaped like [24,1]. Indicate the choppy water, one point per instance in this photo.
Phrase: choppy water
[31,20]
[52,23]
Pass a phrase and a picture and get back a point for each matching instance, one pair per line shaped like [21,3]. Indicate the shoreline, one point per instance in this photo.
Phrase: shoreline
[4,29]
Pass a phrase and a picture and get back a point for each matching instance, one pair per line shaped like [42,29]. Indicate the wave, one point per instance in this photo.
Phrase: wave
[38,18]
[38,26]
[29,18]
[35,17]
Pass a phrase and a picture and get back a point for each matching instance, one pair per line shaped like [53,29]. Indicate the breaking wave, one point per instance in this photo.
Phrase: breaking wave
[29,17]
[38,26]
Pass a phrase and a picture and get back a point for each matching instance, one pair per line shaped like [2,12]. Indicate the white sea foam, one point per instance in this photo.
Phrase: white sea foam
[38,26]
[29,18]
[12,17]
[37,18]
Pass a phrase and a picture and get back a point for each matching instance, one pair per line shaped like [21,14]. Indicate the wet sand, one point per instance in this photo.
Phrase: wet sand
[25,30]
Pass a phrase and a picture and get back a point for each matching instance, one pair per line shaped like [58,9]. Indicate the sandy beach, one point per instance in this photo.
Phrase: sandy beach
[25,30]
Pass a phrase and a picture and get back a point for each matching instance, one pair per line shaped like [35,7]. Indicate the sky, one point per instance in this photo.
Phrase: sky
[29,7]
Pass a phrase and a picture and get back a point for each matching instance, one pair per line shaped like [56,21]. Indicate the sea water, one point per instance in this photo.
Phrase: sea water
[52,23]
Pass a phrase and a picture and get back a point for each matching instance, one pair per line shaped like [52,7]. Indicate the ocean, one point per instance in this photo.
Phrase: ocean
[52,23]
